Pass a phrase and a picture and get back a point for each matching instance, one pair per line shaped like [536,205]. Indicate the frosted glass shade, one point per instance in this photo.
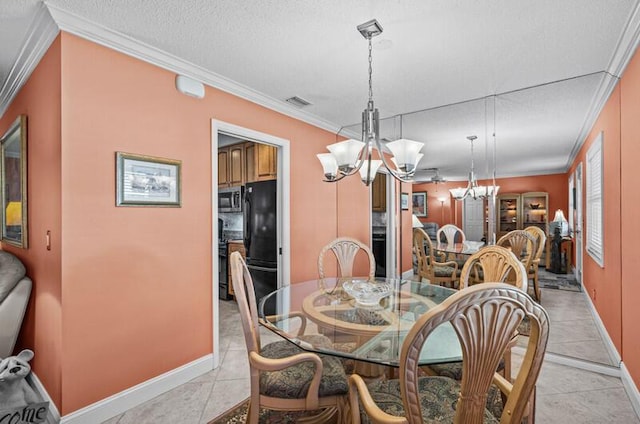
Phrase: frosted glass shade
[329,165]
[458,193]
[346,153]
[375,164]
[405,154]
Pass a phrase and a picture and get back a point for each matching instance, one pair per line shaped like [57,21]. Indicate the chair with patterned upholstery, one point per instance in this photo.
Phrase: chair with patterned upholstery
[522,244]
[283,376]
[541,240]
[345,250]
[484,317]
[428,267]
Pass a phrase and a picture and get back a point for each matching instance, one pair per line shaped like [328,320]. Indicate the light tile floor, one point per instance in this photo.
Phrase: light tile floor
[564,394]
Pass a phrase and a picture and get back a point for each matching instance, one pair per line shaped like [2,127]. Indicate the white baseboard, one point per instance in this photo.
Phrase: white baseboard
[53,416]
[631,388]
[407,274]
[608,343]
[131,397]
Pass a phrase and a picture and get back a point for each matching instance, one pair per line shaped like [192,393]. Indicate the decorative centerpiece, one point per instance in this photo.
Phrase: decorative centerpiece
[366,293]
[534,205]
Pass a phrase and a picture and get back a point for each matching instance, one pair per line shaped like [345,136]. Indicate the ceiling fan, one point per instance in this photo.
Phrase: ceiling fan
[435,178]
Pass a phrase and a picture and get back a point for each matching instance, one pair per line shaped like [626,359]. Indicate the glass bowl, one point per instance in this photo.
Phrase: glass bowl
[366,293]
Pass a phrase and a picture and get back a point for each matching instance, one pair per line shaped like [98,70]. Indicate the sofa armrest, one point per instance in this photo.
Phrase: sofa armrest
[12,310]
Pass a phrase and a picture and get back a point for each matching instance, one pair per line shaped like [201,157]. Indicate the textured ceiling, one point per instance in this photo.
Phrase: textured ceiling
[430,54]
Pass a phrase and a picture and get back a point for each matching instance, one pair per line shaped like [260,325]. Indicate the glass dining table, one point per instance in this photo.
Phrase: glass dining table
[370,330]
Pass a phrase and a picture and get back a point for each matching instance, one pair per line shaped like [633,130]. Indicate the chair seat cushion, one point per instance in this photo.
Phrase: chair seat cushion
[293,382]
[443,271]
[438,399]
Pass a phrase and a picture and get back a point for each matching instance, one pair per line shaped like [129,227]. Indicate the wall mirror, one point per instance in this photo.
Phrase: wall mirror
[13,167]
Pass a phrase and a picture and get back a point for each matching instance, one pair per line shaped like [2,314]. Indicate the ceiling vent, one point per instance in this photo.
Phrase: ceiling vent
[298,101]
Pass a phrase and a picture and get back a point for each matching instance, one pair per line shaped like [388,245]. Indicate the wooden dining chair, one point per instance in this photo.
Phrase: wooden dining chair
[522,244]
[345,250]
[449,232]
[532,271]
[484,318]
[437,272]
[283,376]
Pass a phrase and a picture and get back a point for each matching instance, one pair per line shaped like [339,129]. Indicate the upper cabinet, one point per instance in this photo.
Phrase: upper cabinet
[519,211]
[379,193]
[245,163]
[231,166]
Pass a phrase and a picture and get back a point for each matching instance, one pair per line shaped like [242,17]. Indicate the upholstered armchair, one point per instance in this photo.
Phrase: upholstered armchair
[15,289]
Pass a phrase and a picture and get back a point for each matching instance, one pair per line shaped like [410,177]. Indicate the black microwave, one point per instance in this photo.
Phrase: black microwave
[230,199]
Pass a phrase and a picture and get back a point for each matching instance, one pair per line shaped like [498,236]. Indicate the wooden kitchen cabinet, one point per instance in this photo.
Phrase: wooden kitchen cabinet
[261,162]
[379,193]
[231,165]
[233,246]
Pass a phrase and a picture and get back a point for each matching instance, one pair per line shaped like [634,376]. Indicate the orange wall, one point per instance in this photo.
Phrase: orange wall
[556,185]
[630,248]
[39,99]
[135,282]
[604,284]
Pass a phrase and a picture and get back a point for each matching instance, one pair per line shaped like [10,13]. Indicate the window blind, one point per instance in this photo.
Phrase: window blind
[594,230]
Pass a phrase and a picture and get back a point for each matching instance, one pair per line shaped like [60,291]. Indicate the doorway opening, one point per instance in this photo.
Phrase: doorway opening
[243,159]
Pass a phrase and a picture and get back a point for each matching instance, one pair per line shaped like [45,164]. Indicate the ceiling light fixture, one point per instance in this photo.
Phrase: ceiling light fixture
[351,156]
[473,190]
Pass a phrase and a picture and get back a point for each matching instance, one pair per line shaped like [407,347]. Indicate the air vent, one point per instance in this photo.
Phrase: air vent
[298,101]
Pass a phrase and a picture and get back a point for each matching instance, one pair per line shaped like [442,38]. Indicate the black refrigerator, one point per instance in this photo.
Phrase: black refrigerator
[260,236]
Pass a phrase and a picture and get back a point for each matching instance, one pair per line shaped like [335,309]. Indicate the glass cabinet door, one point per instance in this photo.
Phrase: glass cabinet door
[509,216]
[534,210]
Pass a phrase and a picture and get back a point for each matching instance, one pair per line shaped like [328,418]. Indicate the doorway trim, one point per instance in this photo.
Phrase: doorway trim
[284,217]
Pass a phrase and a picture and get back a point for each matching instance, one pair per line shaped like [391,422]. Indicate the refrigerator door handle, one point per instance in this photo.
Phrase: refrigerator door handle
[261,268]
[247,215]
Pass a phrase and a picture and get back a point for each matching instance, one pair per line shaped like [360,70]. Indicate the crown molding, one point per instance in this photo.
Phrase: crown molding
[600,99]
[41,33]
[94,32]
[627,44]
[624,51]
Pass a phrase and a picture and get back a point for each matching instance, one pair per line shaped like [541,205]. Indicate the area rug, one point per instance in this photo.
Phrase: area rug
[238,414]
[559,282]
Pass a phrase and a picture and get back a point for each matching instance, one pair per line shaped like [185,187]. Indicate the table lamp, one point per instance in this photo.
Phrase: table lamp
[415,221]
[561,222]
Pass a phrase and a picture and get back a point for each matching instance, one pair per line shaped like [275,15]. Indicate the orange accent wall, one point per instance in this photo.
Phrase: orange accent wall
[128,289]
[630,224]
[604,284]
[39,99]
[556,185]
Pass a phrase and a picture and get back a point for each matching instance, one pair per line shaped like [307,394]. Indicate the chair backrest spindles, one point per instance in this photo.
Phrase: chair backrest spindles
[450,232]
[345,250]
[246,298]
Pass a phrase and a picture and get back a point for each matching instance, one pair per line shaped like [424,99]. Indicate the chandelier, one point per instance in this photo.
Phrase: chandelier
[351,156]
[473,190]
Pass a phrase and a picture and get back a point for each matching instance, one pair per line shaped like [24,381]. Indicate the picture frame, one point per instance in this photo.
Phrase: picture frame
[147,181]
[13,176]
[404,201]
[419,203]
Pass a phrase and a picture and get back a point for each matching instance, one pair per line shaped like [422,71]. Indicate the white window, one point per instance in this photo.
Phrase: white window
[594,230]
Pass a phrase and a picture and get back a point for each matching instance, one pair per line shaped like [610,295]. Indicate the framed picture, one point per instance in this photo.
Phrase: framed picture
[13,164]
[404,201]
[147,181]
[419,203]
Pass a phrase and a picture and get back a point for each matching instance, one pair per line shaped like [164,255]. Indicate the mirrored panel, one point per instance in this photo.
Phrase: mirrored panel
[13,154]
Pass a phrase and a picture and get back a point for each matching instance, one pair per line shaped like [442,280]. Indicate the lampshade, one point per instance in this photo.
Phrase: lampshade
[458,193]
[561,222]
[346,153]
[329,165]
[406,154]
[416,222]
[375,164]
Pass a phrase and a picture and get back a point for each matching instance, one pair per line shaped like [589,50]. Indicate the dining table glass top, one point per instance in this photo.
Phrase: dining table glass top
[370,329]
[464,248]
